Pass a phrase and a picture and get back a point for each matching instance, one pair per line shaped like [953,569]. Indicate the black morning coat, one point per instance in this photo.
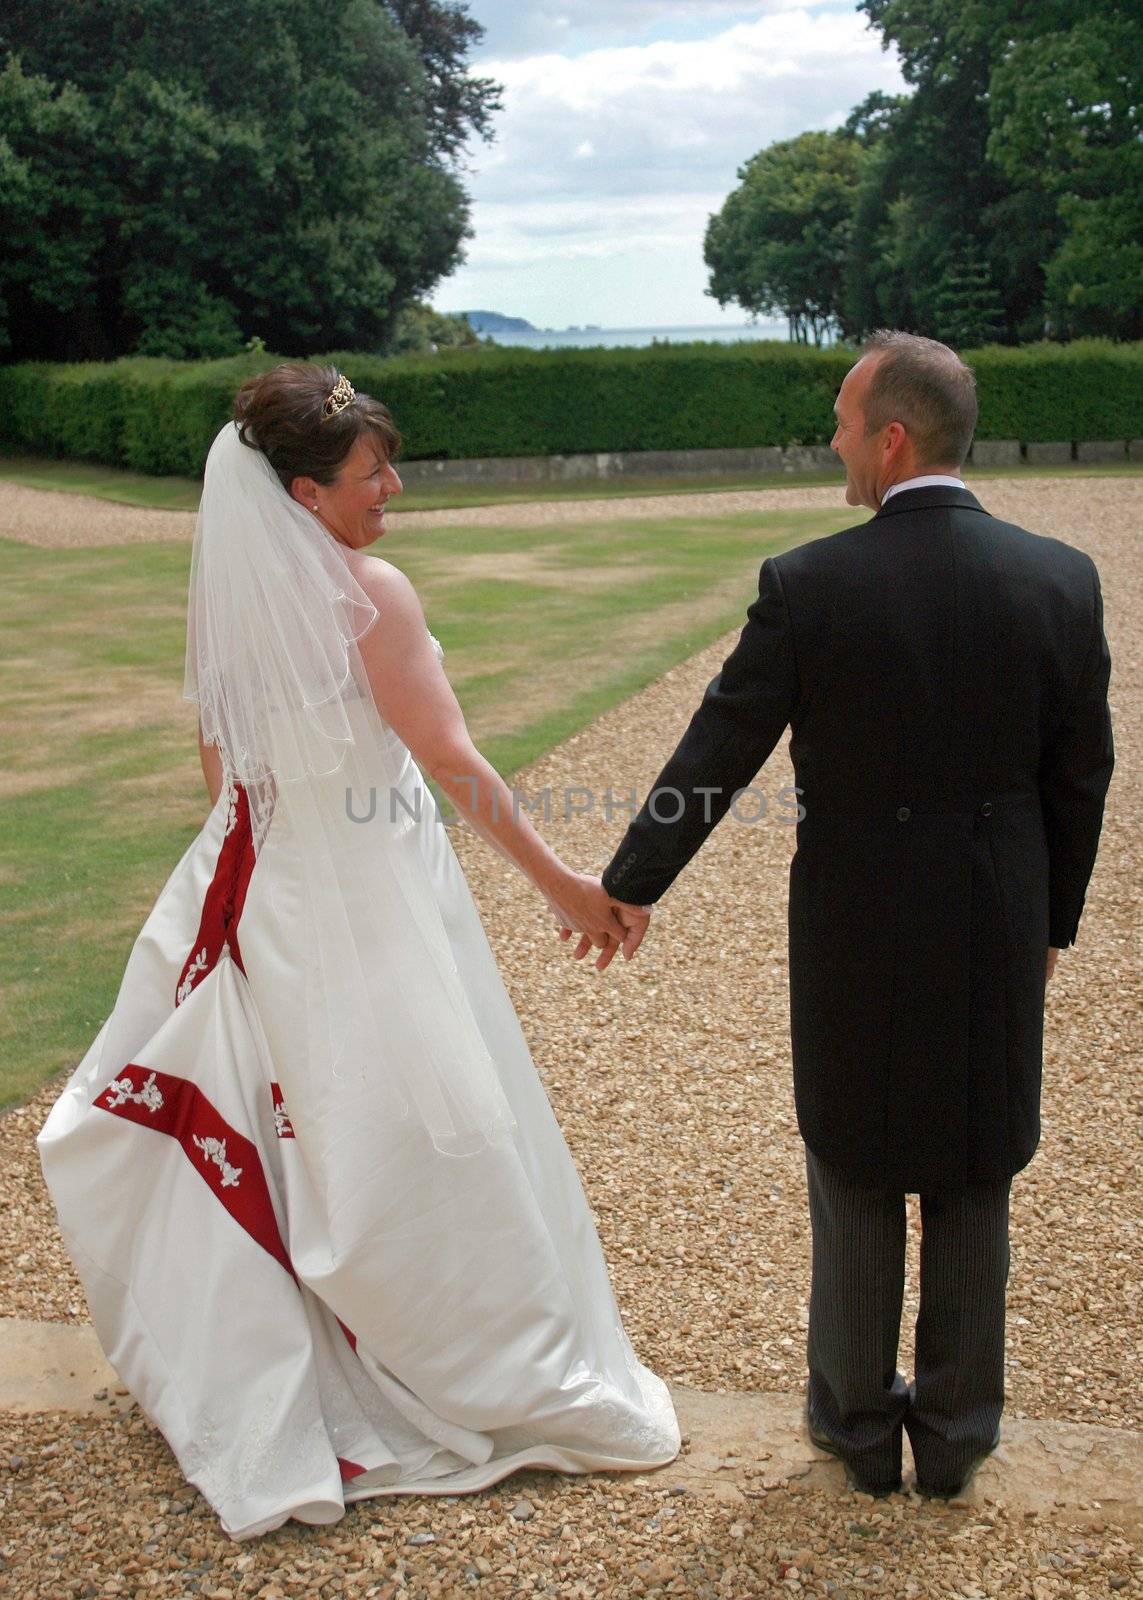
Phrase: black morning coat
[944,677]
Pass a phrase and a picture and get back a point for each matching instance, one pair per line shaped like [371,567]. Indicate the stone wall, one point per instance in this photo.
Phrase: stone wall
[792,460]
[618,464]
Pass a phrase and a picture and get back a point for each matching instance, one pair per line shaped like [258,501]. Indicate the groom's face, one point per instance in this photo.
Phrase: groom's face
[861,454]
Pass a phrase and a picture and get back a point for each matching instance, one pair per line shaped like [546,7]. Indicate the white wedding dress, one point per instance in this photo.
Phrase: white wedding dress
[312,1302]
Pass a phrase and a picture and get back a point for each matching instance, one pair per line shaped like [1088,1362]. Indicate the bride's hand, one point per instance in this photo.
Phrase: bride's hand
[582,905]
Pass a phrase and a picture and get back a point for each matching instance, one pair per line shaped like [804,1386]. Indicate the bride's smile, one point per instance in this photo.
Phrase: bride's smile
[352,507]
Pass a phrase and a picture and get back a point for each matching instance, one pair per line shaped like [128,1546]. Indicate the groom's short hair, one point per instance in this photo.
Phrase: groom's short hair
[926,387]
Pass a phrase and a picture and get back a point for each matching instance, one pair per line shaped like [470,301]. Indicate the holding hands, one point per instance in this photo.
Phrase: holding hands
[580,904]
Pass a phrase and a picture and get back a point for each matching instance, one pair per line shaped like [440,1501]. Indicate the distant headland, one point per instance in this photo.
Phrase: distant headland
[494,322]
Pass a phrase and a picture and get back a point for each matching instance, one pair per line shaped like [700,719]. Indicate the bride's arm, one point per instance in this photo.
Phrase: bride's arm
[415,698]
[211,760]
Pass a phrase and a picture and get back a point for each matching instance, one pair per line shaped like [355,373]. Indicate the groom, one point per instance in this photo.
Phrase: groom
[944,676]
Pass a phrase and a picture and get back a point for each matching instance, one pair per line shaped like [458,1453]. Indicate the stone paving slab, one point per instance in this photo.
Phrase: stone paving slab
[738,1446]
[53,1366]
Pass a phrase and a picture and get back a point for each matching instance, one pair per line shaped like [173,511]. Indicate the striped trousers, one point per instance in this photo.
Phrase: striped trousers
[856,1396]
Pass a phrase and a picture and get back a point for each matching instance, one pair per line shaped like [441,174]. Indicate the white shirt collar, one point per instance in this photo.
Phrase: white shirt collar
[934,480]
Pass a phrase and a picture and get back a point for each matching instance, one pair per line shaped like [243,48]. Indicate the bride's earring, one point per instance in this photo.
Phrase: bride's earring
[315,505]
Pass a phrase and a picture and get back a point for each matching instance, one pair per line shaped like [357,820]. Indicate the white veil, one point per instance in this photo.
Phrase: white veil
[272,660]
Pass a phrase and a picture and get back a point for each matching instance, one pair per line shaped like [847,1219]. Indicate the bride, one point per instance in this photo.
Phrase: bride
[331,1236]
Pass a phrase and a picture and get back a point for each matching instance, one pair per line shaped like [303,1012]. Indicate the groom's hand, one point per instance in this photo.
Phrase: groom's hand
[636,919]
[1053,957]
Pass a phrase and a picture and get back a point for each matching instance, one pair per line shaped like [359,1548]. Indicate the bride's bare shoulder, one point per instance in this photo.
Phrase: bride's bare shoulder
[390,591]
[382,581]
[371,569]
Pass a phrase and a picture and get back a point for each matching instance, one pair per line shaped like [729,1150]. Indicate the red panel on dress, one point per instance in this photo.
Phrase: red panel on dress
[224,1158]
[222,907]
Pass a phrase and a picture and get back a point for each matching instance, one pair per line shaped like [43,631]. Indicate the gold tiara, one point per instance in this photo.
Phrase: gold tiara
[342,395]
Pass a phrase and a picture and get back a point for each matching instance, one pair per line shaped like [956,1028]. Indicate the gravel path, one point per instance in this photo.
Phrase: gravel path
[671,1081]
[97,1510]
[69,521]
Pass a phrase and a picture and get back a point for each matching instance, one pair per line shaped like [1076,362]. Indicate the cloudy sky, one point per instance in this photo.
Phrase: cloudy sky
[624,125]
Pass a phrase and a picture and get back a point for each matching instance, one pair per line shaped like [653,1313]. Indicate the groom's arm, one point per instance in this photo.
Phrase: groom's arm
[741,718]
[1074,775]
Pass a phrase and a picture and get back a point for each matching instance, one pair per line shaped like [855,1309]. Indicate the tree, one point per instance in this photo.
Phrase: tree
[1040,160]
[780,242]
[287,172]
[1067,99]
[459,104]
[48,212]
[966,304]
[1002,198]
[875,280]
[419,330]
[934,192]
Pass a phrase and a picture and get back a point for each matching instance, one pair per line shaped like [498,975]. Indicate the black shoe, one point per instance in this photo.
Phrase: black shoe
[852,1476]
[952,1491]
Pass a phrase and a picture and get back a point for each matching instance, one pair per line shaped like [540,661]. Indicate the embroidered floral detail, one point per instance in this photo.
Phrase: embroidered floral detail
[215,1150]
[197,966]
[283,1127]
[123,1090]
[231,808]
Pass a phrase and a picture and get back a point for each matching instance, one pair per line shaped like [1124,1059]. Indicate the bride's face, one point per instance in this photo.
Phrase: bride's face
[353,506]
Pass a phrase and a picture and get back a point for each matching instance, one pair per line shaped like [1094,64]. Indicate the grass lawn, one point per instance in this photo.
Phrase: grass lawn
[100,789]
[182,494]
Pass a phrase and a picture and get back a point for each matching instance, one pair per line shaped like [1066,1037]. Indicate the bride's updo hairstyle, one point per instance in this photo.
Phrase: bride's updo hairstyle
[285,414]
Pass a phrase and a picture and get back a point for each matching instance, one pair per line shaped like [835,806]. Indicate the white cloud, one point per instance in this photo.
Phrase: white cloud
[530,27]
[614,158]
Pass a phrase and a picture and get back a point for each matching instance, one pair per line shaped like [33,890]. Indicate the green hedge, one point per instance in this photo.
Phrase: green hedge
[1092,389]
[160,416]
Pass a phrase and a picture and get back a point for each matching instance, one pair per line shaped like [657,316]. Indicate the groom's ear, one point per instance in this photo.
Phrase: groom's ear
[895,445]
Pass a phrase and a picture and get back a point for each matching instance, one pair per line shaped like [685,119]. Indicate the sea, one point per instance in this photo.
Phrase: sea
[635,338]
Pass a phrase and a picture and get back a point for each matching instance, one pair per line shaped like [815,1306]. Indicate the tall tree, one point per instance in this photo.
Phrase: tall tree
[780,242]
[1037,160]
[936,194]
[287,171]
[48,207]
[966,305]
[459,104]
[1067,102]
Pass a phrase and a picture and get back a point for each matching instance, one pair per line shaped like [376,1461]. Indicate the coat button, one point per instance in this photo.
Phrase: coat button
[903,814]
[986,809]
